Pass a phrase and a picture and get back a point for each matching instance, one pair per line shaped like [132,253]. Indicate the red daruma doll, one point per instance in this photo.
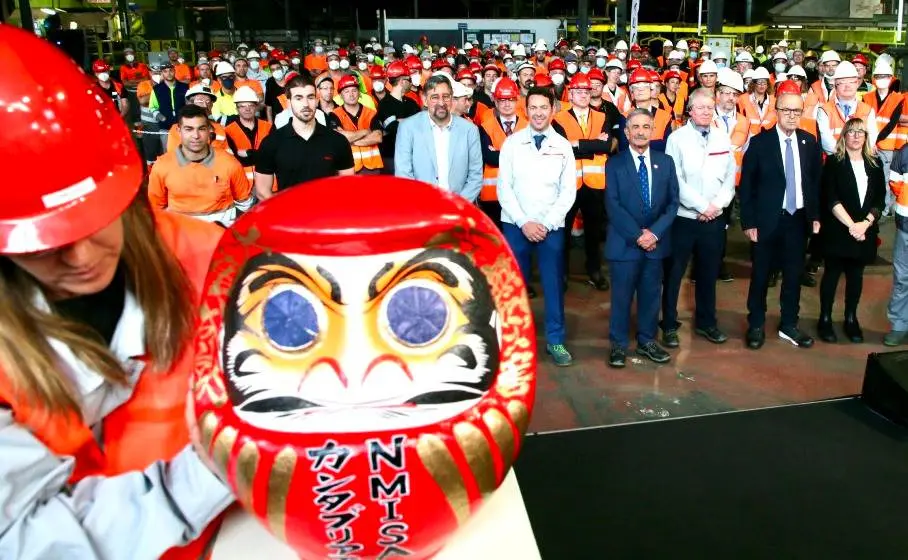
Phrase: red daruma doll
[365,365]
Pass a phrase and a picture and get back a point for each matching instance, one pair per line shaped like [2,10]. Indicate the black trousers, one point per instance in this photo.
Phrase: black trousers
[492,209]
[591,204]
[785,248]
[834,267]
[704,241]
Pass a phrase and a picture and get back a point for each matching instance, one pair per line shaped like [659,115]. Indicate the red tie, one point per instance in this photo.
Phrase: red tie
[508,128]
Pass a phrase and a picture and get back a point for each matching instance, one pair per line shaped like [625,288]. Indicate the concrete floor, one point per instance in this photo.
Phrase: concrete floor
[704,378]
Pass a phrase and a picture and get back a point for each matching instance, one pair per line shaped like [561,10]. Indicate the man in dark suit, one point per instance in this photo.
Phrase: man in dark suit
[642,202]
[780,201]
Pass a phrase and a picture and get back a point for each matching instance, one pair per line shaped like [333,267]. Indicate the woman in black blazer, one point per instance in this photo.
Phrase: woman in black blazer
[854,192]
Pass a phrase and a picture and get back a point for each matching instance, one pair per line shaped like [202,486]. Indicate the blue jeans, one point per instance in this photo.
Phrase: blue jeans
[550,256]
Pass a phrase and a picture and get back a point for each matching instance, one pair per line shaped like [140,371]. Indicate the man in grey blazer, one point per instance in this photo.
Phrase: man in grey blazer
[437,147]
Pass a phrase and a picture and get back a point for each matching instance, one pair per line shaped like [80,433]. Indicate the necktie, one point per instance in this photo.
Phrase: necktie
[582,119]
[538,138]
[644,184]
[508,128]
[725,118]
[705,133]
[846,110]
[791,200]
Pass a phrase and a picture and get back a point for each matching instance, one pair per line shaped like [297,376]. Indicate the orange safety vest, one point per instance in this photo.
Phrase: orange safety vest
[493,128]
[662,122]
[218,139]
[619,99]
[416,97]
[676,109]
[757,122]
[151,425]
[215,85]
[235,132]
[837,120]
[363,156]
[738,136]
[899,135]
[590,172]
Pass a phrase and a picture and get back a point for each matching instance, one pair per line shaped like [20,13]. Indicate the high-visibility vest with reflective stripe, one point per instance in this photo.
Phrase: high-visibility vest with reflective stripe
[493,128]
[241,141]
[662,122]
[676,109]
[837,119]
[363,156]
[819,92]
[899,135]
[758,122]
[619,99]
[739,136]
[218,137]
[590,172]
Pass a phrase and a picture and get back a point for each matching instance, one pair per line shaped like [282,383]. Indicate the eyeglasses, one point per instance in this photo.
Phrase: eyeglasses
[856,132]
[706,108]
[789,112]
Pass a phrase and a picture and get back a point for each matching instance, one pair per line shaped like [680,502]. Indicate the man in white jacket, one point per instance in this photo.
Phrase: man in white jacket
[705,165]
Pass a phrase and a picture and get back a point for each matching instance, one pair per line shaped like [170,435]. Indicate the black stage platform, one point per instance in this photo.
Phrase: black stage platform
[819,480]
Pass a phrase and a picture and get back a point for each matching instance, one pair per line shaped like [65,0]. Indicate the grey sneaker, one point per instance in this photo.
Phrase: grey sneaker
[559,354]
[895,338]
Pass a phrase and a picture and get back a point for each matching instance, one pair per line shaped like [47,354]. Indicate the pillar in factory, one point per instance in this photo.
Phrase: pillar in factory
[714,17]
[621,19]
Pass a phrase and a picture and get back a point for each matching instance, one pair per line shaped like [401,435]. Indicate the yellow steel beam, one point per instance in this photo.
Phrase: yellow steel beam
[669,28]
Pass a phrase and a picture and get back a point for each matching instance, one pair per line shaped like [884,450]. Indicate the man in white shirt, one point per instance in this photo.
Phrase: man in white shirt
[705,166]
[536,188]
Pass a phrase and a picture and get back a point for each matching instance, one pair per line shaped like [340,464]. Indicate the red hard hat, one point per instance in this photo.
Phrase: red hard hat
[293,54]
[860,59]
[596,74]
[99,66]
[465,74]
[640,76]
[214,54]
[636,48]
[397,69]
[491,67]
[543,80]
[788,86]
[342,53]
[376,72]
[557,64]
[633,64]
[671,75]
[654,76]
[505,88]
[475,53]
[346,81]
[413,63]
[440,63]
[475,67]
[59,115]
[580,81]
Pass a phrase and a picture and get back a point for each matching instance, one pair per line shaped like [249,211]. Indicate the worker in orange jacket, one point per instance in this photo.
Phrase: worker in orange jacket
[103,292]
[246,132]
[494,129]
[203,97]
[358,124]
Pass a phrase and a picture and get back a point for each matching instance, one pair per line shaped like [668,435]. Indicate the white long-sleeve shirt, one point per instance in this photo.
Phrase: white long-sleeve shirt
[828,140]
[536,185]
[705,168]
[136,515]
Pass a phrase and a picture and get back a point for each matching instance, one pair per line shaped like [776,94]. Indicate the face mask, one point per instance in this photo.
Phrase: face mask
[228,82]
[557,79]
[203,60]
[254,64]
[693,55]
[263,54]
[519,61]
[450,60]
[243,53]
[104,76]
[811,65]
[370,58]
[231,59]
[414,79]
[378,87]
[319,49]
[206,81]
[344,64]
[882,83]
[362,66]
[295,61]
[478,78]
[180,60]
[674,67]
[600,62]
[780,67]
[585,69]
[572,68]
[426,64]
[333,64]
[622,55]
[721,65]
[278,74]
[156,78]
[130,58]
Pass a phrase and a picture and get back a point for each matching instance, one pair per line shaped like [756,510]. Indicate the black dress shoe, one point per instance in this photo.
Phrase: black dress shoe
[617,357]
[853,329]
[796,337]
[531,292]
[654,352]
[725,275]
[755,338]
[712,334]
[825,330]
[808,280]
[670,338]
[599,282]
[773,279]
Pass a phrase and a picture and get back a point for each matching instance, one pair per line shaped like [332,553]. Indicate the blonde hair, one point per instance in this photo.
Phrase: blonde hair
[841,152]
[153,275]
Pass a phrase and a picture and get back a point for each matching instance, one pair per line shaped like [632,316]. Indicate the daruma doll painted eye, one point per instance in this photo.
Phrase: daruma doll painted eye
[365,367]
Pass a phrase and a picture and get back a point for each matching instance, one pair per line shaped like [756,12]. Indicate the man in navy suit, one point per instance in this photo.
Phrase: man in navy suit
[780,200]
[642,201]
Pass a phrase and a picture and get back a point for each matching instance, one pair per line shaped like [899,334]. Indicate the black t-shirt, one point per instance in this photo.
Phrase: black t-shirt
[294,160]
[101,311]
[390,111]
[272,92]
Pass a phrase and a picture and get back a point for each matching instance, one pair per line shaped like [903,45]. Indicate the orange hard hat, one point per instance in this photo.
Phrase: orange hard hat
[580,81]
[397,69]
[788,86]
[640,76]
[505,88]
[346,81]
[59,114]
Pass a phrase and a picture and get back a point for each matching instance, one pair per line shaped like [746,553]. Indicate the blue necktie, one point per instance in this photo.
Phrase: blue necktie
[725,118]
[846,110]
[539,138]
[644,184]
[791,200]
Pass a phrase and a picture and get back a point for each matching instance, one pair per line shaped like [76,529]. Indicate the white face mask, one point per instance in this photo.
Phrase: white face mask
[295,61]
[414,79]
[585,69]
[370,58]
[883,83]
[600,62]
[572,68]
[254,64]
[478,78]
[427,64]
[319,49]
[450,60]
[333,64]
[130,58]
[622,55]
[344,64]
[362,66]
[263,54]
[104,77]
[780,66]
[721,65]
[206,81]
[557,79]
[378,86]
[231,59]
[180,60]
[278,74]
[156,78]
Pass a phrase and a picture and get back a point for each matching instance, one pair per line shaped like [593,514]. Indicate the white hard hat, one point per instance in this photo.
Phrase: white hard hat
[224,67]
[666,43]
[749,74]
[707,67]
[200,89]
[830,56]
[245,94]
[621,45]
[682,45]
[602,52]
[540,45]
[460,90]
[761,73]
[783,43]
[720,55]
[676,55]
[253,54]
[882,68]
[796,70]
[729,78]
[614,63]
[845,69]
[780,55]
[706,48]
[744,56]
[760,49]
[520,50]
[467,46]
